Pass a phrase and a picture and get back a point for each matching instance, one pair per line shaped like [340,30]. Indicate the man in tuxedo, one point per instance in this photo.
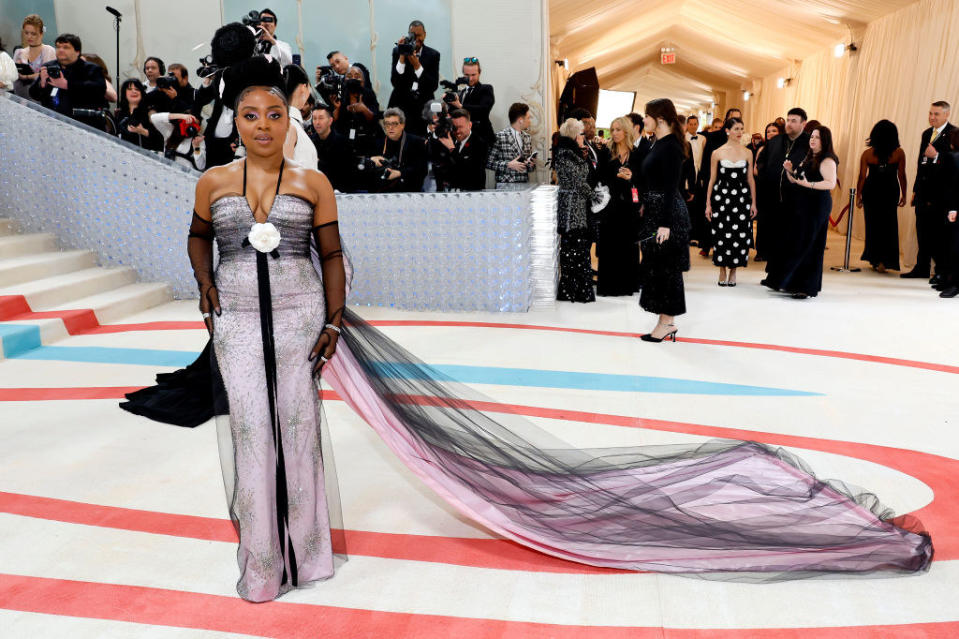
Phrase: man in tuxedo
[712,141]
[792,146]
[927,195]
[466,166]
[477,98]
[414,77]
[511,155]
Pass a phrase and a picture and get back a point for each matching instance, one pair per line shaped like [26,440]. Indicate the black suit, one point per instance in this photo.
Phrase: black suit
[479,100]
[782,195]
[411,93]
[467,171]
[218,150]
[86,87]
[930,189]
[701,231]
[335,160]
[950,202]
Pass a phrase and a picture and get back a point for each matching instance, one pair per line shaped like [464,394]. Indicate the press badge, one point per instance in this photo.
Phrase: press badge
[635,195]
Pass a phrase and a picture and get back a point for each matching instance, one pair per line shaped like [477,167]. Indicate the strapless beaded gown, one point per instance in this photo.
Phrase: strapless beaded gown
[282,542]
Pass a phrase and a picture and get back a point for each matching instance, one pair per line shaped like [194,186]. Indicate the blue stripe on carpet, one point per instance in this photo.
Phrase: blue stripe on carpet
[525,377]
[19,338]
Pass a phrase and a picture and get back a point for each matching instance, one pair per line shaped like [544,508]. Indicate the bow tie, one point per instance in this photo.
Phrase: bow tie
[695,137]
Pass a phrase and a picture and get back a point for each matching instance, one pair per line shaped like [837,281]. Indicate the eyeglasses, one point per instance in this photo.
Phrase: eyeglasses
[269,19]
[391,125]
[470,60]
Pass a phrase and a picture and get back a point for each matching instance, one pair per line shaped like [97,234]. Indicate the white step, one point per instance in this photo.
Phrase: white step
[15,270]
[132,298]
[61,289]
[15,245]
[8,226]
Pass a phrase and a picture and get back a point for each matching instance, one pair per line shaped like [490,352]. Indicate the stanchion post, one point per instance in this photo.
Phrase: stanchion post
[845,268]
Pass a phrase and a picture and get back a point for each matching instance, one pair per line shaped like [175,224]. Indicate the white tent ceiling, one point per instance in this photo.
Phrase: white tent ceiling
[720,45]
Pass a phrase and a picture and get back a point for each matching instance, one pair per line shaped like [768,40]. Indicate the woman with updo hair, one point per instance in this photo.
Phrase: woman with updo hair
[575,193]
[664,233]
[33,54]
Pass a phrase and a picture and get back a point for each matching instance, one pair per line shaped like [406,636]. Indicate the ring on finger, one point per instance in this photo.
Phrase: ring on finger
[324,359]
[205,315]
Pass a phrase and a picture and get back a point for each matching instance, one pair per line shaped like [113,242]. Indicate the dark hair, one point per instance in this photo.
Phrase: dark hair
[800,112]
[232,43]
[692,116]
[323,107]
[270,11]
[517,110]
[176,66]
[293,76]
[122,103]
[417,23]
[460,113]
[663,108]
[775,125]
[329,56]
[814,161]
[731,122]
[159,64]
[730,110]
[942,104]
[97,60]
[884,139]
[253,73]
[636,119]
[366,73]
[71,39]
[580,113]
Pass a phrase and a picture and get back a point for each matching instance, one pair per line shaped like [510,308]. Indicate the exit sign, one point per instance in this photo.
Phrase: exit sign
[667,57]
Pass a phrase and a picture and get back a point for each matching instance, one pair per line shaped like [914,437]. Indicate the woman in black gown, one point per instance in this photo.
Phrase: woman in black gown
[616,246]
[665,221]
[817,178]
[882,190]
[575,192]
[765,195]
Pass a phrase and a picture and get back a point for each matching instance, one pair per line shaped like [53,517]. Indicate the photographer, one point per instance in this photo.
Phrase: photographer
[71,83]
[185,93]
[182,141]
[338,62]
[334,157]
[477,98]
[467,156]
[268,44]
[357,112]
[512,156]
[415,74]
[402,164]
[133,118]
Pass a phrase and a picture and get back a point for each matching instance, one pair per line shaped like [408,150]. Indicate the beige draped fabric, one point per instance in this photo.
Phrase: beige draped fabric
[906,60]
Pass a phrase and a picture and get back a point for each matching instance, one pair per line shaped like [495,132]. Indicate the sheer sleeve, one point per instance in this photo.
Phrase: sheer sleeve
[200,250]
[334,275]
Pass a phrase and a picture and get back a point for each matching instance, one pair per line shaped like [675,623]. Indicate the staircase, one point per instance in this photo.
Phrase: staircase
[47,294]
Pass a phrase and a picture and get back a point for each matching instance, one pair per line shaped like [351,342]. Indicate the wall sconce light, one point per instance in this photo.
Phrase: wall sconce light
[840,49]
[783,82]
[563,63]
[746,96]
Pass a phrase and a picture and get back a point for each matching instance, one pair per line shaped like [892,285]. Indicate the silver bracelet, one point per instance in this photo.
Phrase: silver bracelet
[334,327]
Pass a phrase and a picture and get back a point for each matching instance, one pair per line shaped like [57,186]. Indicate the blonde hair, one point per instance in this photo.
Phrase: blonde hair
[33,20]
[571,128]
[629,136]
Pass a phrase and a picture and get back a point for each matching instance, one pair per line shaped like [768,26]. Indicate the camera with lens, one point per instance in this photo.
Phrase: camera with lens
[53,69]
[168,81]
[407,45]
[367,166]
[125,123]
[451,89]
[330,86]
[252,19]
[207,68]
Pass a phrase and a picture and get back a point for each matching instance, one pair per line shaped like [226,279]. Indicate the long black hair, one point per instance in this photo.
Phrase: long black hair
[664,108]
[122,103]
[884,139]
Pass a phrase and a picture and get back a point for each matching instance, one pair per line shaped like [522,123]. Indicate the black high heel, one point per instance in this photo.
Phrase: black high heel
[648,337]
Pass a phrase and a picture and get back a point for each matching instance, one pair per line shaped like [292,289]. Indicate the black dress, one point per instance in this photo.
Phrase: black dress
[576,273]
[880,203]
[806,230]
[619,221]
[663,205]
[766,200]
[731,206]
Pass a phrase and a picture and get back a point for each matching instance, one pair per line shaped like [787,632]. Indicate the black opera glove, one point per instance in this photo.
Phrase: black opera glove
[200,250]
[334,288]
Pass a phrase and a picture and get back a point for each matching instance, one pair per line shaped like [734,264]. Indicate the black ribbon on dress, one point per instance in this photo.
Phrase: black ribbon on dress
[269,362]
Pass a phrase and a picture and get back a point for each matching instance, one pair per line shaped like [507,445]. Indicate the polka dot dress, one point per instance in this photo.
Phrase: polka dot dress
[731,226]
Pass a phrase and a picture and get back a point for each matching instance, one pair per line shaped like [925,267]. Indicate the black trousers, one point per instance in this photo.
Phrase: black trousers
[931,236]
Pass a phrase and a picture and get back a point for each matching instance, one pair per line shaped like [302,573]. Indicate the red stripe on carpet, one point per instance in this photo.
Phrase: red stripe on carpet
[11,305]
[218,613]
[76,321]
[874,359]
[48,394]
